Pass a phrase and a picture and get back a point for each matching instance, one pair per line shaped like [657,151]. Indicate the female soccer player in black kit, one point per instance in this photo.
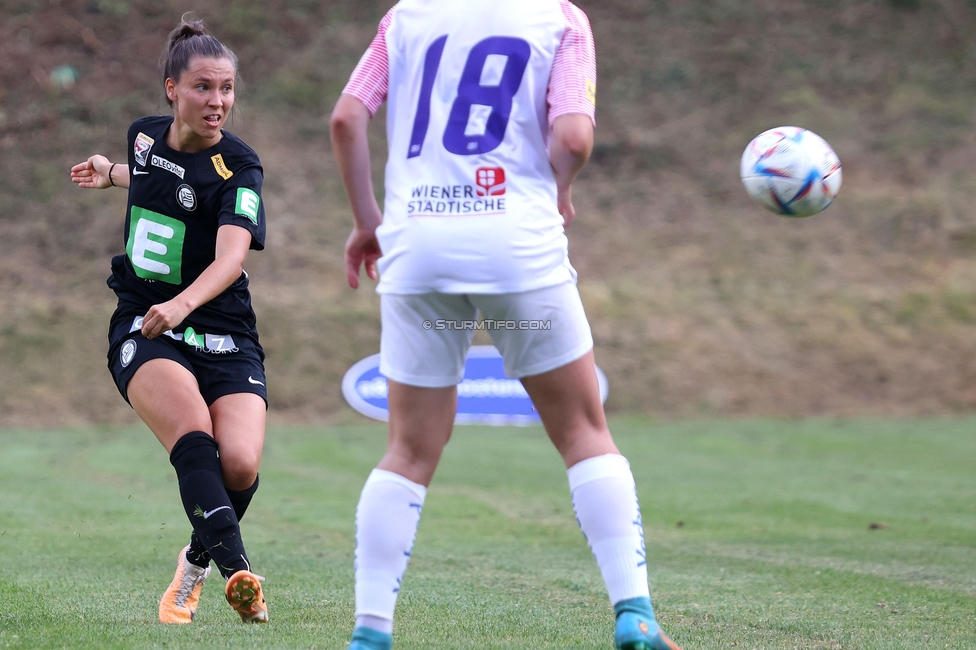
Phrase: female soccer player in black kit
[183,344]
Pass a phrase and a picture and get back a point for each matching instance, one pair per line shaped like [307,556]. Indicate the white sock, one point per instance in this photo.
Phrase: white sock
[386,524]
[605,500]
[375,622]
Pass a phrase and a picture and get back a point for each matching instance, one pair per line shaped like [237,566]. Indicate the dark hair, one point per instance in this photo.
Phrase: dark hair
[190,39]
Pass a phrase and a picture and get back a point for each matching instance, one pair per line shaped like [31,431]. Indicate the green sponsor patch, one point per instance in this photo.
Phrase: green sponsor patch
[190,337]
[155,245]
[248,203]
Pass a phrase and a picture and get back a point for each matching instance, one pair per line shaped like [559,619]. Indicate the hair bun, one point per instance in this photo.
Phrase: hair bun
[189,27]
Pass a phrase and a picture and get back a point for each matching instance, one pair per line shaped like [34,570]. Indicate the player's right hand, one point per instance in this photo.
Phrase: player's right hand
[362,249]
[163,317]
[564,202]
[93,173]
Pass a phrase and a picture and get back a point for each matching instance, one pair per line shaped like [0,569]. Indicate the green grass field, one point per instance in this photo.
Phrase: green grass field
[760,534]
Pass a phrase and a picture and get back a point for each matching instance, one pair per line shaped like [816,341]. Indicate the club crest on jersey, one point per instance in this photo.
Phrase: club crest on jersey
[218,163]
[186,197]
[141,148]
[171,167]
[490,181]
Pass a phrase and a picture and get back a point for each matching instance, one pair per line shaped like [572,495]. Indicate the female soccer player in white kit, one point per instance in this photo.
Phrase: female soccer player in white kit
[490,117]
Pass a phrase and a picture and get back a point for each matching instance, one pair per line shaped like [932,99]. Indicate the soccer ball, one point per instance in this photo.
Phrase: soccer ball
[791,171]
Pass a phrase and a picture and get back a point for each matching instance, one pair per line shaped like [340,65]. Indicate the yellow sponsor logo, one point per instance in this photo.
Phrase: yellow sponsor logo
[591,92]
[221,168]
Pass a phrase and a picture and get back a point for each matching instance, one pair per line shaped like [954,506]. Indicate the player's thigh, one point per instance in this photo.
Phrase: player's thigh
[568,401]
[166,396]
[537,331]
[239,427]
[421,422]
[157,379]
[424,340]
[545,340]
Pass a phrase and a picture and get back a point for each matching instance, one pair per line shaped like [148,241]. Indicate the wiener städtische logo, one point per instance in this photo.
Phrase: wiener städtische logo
[490,181]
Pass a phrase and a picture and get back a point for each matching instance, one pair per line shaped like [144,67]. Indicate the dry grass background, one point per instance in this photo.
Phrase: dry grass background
[701,303]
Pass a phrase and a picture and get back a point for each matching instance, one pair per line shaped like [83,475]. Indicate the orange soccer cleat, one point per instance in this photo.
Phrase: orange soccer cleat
[244,594]
[180,600]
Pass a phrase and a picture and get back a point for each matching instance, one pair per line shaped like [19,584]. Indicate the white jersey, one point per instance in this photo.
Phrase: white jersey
[470,203]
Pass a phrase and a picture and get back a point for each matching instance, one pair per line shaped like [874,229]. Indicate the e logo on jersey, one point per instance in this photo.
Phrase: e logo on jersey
[490,181]
[248,203]
[186,197]
[128,353]
[141,148]
[155,245]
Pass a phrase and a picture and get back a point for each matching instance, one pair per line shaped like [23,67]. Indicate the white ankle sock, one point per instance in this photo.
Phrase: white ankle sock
[386,524]
[605,501]
[375,622]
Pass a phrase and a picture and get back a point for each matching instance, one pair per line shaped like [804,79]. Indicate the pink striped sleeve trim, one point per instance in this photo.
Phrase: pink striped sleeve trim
[572,82]
[370,80]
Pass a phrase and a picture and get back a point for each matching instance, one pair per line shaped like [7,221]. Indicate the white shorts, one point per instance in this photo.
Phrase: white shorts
[426,336]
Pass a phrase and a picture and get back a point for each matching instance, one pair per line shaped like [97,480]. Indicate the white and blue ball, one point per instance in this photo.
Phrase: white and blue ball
[791,171]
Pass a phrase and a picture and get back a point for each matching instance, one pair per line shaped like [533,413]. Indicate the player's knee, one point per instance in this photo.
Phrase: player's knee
[420,452]
[239,479]
[240,470]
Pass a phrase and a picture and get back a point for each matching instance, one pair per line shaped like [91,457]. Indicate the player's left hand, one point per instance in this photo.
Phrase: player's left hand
[163,317]
[362,249]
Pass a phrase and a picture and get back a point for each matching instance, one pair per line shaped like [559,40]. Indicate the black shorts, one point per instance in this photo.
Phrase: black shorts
[223,364]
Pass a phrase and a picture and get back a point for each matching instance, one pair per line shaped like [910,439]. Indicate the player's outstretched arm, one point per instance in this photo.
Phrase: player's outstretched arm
[350,145]
[98,172]
[569,149]
[233,243]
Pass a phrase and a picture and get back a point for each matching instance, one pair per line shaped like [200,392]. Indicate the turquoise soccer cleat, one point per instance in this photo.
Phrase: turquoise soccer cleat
[365,638]
[637,629]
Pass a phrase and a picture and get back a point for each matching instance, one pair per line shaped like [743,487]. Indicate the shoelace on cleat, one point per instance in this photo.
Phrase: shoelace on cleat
[188,583]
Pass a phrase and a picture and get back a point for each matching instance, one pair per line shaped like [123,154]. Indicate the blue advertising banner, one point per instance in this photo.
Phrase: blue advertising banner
[485,395]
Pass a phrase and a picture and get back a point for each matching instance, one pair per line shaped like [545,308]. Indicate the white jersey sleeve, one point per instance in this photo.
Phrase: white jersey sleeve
[472,88]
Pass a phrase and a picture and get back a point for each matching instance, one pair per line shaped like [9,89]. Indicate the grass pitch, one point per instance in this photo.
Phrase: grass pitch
[760,534]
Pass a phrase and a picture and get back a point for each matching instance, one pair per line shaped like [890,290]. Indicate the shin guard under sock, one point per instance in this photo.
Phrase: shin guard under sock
[197,553]
[605,501]
[386,525]
[205,500]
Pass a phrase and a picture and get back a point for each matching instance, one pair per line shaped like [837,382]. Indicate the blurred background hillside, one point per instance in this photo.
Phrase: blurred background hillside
[701,303]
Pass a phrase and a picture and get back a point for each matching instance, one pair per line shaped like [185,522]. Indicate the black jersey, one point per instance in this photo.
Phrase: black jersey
[177,201]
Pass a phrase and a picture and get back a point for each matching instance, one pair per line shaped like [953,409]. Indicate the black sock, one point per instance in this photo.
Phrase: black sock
[205,500]
[196,553]
[240,499]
